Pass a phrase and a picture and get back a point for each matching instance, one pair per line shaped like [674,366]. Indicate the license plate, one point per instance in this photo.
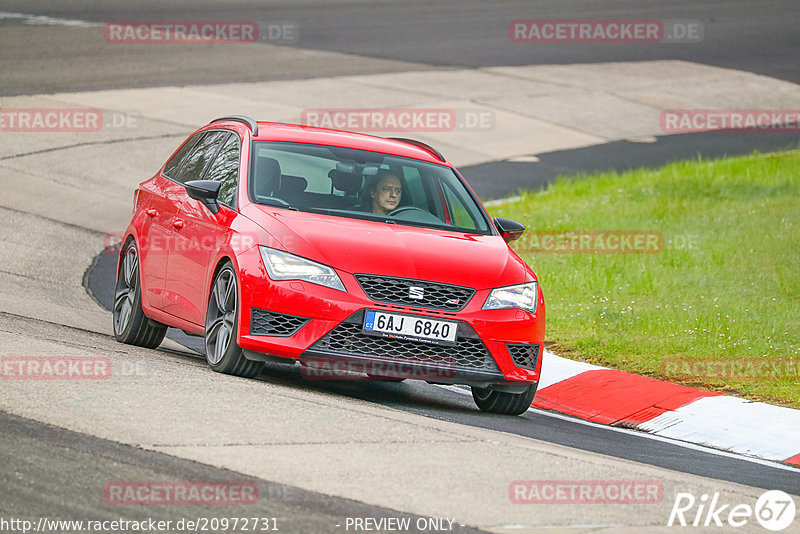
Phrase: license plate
[410,327]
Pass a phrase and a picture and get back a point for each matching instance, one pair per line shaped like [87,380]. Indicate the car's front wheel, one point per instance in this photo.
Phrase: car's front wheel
[504,402]
[131,325]
[222,352]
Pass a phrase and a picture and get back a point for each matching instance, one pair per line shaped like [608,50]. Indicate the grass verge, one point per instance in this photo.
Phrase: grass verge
[715,305]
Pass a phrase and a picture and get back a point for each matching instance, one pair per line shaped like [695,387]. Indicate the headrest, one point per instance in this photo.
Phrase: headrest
[268,176]
[348,182]
[293,184]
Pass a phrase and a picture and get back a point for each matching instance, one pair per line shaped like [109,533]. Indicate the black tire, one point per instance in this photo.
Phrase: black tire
[223,354]
[503,402]
[130,324]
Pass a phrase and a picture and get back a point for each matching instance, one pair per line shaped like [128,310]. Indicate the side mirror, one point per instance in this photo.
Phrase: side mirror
[510,230]
[206,191]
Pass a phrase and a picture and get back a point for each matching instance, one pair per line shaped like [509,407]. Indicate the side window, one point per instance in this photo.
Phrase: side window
[415,187]
[313,169]
[171,168]
[200,158]
[419,191]
[225,169]
[460,214]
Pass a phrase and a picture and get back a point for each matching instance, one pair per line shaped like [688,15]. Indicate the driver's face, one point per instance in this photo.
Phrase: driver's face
[386,195]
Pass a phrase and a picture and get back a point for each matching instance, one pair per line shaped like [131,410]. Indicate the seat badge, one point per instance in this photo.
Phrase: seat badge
[416,292]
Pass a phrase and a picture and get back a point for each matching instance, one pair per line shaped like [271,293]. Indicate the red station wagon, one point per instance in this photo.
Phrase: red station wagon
[351,254]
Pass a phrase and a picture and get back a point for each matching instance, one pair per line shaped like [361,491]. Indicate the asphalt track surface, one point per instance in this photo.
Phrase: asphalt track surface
[430,401]
[387,36]
[501,179]
[759,37]
[49,483]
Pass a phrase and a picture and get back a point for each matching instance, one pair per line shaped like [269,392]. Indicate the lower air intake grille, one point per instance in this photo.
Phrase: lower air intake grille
[348,339]
[267,323]
[524,355]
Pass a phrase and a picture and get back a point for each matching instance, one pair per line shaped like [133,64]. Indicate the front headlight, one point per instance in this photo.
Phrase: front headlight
[523,296]
[284,266]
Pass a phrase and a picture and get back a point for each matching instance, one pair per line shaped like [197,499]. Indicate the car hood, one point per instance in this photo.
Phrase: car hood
[361,246]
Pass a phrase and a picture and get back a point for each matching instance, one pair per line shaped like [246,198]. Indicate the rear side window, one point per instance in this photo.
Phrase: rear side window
[225,169]
[314,170]
[174,163]
[201,157]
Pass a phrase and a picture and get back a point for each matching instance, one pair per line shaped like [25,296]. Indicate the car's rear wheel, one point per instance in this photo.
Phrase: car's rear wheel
[504,402]
[131,325]
[223,354]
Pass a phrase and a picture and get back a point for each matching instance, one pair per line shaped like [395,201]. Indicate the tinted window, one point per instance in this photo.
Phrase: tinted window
[360,184]
[414,183]
[171,168]
[225,169]
[201,157]
[314,170]
[459,208]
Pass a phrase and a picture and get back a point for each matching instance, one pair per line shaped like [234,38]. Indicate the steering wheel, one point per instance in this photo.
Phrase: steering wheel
[403,209]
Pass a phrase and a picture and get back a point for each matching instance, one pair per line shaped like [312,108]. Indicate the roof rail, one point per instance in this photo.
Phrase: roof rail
[420,144]
[253,125]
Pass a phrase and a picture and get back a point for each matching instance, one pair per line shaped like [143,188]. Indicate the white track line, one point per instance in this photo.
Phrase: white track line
[664,439]
[501,201]
[719,422]
[41,20]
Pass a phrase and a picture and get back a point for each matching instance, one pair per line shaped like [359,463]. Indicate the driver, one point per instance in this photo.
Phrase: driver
[385,193]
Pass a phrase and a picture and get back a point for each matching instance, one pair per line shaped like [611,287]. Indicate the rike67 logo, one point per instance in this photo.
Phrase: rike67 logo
[774,510]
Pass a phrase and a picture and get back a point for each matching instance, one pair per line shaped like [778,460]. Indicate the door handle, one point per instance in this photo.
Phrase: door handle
[151,212]
[177,223]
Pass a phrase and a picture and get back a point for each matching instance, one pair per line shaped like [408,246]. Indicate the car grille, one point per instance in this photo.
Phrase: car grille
[267,323]
[348,339]
[398,291]
[524,355]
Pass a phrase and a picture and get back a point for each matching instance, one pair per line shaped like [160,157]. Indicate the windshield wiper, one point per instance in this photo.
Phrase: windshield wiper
[279,202]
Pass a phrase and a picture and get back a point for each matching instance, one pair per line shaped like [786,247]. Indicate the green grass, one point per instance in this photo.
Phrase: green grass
[725,287]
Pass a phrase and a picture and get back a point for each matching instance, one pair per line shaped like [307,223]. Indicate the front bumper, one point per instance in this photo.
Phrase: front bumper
[467,362]
[323,327]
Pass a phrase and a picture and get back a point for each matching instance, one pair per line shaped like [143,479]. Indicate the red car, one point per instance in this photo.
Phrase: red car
[355,255]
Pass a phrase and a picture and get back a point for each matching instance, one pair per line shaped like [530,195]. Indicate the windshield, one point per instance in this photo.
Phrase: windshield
[361,184]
